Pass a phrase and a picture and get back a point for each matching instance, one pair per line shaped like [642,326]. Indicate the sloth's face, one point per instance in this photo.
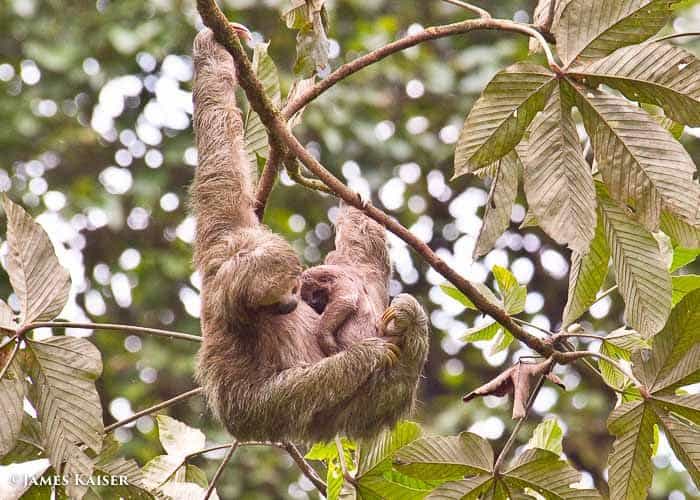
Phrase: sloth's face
[282,297]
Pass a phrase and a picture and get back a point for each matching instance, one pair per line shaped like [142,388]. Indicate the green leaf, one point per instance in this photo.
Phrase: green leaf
[502,341]
[478,333]
[129,469]
[644,281]
[630,464]
[457,295]
[557,179]
[28,445]
[502,195]
[500,116]
[159,469]
[548,436]
[440,458]
[680,232]
[381,448]
[514,294]
[591,29]
[675,354]
[256,143]
[8,321]
[643,166]
[393,485]
[685,443]
[40,282]
[12,392]
[656,73]
[472,488]
[682,257]
[587,274]
[178,439]
[547,474]
[682,286]
[64,370]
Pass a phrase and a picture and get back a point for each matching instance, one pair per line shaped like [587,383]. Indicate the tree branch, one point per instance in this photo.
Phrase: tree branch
[305,467]
[212,484]
[153,409]
[431,33]
[268,177]
[136,330]
[261,104]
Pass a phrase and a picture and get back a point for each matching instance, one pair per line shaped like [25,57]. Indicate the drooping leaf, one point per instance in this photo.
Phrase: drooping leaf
[64,370]
[642,165]
[40,282]
[644,281]
[504,190]
[591,29]
[557,179]
[685,443]
[630,464]
[12,392]
[450,457]
[308,17]
[587,274]
[255,132]
[548,436]
[675,354]
[655,73]
[682,286]
[500,116]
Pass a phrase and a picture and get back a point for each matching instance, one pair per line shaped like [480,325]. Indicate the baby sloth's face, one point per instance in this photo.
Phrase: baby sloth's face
[315,290]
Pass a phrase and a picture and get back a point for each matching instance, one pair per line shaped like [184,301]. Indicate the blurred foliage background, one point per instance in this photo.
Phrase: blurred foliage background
[96,141]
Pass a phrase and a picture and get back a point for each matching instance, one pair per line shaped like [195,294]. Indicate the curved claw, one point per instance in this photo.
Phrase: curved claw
[387,317]
[392,354]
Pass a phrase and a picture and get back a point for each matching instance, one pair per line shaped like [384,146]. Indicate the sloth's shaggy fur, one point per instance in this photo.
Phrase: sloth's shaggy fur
[261,364]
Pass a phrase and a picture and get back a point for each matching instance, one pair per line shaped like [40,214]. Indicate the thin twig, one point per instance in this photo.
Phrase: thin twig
[136,330]
[153,409]
[431,33]
[570,357]
[532,325]
[218,447]
[513,435]
[294,170]
[604,294]
[217,22]
[472,8]
[220,470]
[10,359]
[673,35]
[305,468]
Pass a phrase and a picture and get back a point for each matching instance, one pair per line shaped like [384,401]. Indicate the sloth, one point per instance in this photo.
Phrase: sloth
[266,373]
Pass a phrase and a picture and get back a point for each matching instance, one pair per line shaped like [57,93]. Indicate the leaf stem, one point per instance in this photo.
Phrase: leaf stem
[136,330]
[673,35]
[573,356]
[472,8]
[604,294]
[153,409]
[231,450]
[532,325]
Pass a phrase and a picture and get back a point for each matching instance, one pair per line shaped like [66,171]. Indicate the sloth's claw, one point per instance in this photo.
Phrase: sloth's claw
[387,317]
[392,354]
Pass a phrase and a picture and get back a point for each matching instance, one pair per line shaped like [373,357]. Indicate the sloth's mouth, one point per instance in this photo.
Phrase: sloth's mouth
[286,307]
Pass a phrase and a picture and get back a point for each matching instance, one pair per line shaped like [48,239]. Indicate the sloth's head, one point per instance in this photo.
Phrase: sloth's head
[263,278]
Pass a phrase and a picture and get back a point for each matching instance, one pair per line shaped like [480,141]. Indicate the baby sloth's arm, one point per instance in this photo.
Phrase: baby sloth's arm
[335,296]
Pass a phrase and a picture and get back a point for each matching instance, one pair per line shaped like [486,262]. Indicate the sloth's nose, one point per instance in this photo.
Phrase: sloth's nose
[287,307]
